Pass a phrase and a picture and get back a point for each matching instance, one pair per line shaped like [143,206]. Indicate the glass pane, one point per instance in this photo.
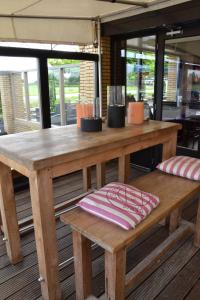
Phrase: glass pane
[19,93]
[141,69]
[181,98]
[70,82]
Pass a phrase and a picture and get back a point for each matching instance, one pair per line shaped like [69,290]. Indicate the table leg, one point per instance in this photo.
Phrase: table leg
[169,148]
[100,174]
[1,223]
[115,269]
[86,179]
[9,215]
[197,227]
[124,168]
[41,189]
[82,265]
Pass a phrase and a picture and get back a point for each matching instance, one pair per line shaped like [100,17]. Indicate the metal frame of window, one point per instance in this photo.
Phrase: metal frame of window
[43,56]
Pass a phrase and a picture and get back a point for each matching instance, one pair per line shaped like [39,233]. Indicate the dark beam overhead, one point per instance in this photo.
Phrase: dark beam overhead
[174,15]
[127,2]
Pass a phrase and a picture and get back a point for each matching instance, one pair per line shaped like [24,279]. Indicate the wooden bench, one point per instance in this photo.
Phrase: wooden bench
[173,193]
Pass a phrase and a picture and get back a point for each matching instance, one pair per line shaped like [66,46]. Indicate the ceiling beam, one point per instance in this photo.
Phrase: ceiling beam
[127,2]
[187,12]
[47,17]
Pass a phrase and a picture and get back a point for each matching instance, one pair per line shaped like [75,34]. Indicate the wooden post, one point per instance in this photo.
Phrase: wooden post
[9,215]
[82,265]
[45,233]
[115,268]
[197,229]
[100,175]
[86,179]
[124,168]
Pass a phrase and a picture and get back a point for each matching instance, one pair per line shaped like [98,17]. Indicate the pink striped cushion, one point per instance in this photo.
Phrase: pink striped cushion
[121,204]
[183,166]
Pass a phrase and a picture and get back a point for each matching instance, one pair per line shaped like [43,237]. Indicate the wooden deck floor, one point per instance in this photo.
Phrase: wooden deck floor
[176,277]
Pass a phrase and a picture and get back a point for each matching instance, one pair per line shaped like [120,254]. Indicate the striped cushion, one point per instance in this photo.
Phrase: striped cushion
[183,166]
[121,204]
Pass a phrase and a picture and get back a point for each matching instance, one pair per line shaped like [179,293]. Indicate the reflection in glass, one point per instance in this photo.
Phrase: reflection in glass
[140,69]
[181,97]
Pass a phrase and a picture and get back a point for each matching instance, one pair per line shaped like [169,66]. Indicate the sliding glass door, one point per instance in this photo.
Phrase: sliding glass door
[140,70]
[181,90]
[140,85]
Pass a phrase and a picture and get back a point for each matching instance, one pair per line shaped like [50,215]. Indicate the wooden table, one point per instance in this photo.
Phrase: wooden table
[49,153]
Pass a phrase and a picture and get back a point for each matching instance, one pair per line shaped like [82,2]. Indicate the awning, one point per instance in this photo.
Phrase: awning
[61,21]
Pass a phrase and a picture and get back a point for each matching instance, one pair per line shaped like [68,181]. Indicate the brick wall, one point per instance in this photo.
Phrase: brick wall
[7,104]
[106,73]
[13,106]
[87,74]
[171,92]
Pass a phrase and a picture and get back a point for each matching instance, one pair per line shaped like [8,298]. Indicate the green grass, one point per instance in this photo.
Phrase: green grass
[33,90]
[34,99]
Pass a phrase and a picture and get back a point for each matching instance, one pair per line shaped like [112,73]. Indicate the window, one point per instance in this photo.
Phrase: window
[70,82]
[40,86]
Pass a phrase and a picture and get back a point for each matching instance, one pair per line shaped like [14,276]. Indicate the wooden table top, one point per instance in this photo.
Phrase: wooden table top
[48,147]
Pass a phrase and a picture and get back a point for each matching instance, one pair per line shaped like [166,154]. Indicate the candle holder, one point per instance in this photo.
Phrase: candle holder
[92,123]
[136,112]
[83,110]
[116,106]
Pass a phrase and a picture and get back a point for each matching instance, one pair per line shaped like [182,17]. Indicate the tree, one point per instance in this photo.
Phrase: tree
[60,62]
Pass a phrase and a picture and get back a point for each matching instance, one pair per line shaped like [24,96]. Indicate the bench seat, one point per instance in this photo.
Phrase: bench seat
[173,192]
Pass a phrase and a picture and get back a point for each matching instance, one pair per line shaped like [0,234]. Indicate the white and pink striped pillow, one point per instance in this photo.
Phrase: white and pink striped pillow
[121,204]
[184,166]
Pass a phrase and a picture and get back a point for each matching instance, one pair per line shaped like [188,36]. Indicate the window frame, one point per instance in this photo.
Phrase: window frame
[43,56]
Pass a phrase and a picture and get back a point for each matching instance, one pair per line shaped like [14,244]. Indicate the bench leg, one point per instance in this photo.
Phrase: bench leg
[175,219]
[197,227]
[82,265]
[115,267]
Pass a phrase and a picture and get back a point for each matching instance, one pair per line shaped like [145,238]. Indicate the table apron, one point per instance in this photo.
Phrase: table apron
[78,164]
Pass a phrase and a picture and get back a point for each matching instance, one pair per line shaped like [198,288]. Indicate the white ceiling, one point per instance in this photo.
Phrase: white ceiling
[59,28]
